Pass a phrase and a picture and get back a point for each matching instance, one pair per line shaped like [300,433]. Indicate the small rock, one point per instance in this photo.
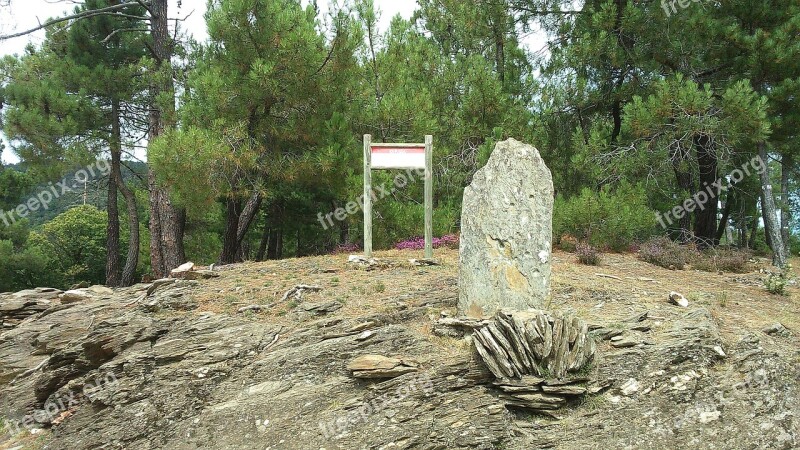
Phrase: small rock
[200,275]
[101,291]
[81,285]
[183,269]
[75,296]
[377,366]
[320,309]
[357,259]
[564,390]
[630,387]
[608,334]
[365,335]
[678,299]
[624,342]
[598,387]
[777,329]
[361,327]
[709,416]
[424,262]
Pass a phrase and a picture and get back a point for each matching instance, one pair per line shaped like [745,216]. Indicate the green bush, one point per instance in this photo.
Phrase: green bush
[776,282]
[23,268]
[610,219]
[794,244]
[74,244]
[395,221]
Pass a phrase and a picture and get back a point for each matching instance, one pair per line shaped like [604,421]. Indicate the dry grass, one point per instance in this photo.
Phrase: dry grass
[362,292]
[739,302]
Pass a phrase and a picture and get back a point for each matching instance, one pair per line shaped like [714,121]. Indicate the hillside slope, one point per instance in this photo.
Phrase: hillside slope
[178,366]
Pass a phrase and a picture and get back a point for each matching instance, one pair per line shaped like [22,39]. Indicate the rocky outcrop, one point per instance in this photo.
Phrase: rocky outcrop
[14,308]
[506,233]
[114,373]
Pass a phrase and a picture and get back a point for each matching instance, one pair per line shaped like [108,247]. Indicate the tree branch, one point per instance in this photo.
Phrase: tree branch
[110,10]
[146,6]
[120,30]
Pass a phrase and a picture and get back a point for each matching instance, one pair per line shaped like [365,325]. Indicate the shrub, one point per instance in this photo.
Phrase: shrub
[418,242]
[75,244]
[398,221]
[664,252]
[609,219]
[776,282]
[587,254]
[349,248]
[723,260]
[794,245]
[568,243]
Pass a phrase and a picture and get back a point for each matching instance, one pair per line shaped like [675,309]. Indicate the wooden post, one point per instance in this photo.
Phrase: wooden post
[368,196]
[429,196]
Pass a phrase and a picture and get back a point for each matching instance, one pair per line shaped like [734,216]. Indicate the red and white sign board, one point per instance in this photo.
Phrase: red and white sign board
[398,157]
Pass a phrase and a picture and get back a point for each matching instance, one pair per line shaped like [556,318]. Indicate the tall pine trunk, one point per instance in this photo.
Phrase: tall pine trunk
[238,220]
[262,246]
[726,214]
[705,225]
[769,210]
[132,259]
[679,158]
[230,245]
[166,221]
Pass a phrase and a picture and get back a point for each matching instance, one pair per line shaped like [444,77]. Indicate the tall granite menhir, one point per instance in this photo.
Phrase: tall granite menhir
[506,233]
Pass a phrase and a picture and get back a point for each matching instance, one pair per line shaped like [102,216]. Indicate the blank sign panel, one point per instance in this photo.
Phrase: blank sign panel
[398,157]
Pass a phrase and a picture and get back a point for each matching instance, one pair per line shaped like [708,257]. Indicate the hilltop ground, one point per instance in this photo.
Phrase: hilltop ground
[738,302]
[191,371]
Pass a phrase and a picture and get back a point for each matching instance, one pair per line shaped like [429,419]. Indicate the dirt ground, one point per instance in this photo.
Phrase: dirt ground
[619,287]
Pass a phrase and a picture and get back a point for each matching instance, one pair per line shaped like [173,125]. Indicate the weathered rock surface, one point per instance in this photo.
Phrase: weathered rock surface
[14,308]
[111,373]
[506,233]
[377,366]
[536,343]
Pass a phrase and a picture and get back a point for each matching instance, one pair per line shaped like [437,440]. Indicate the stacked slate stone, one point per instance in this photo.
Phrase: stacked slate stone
[14,308]
[536,357]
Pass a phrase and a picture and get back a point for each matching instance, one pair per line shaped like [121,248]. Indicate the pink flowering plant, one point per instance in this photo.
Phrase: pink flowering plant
[418,242]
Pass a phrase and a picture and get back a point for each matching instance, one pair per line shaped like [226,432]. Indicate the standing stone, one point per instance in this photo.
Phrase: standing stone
[506,233]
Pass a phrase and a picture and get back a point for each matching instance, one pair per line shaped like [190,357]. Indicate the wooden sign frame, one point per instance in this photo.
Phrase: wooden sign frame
[401,160]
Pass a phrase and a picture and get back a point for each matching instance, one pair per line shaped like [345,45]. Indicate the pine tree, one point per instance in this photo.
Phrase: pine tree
[77,109]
